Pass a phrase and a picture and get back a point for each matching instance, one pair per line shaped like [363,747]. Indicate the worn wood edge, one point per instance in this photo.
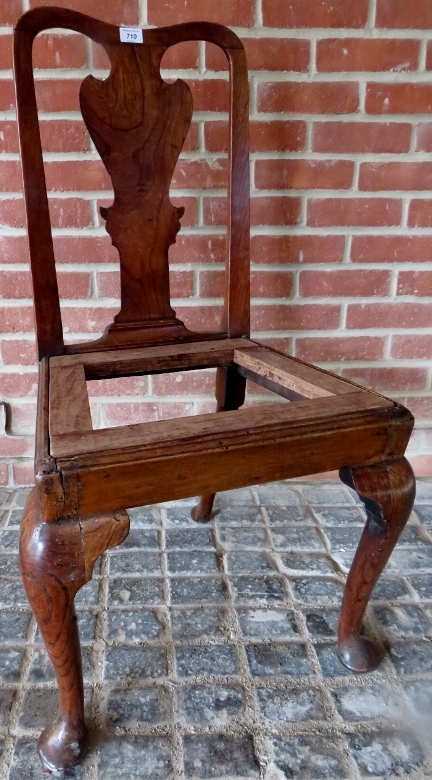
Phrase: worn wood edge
[281,370]
[167,357]
[69,407]
[264,420]
[251,462]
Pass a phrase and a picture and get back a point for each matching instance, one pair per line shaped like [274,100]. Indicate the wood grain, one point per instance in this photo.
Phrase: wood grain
[387,491]
[56,560]
[84,478]
[263,419]
[69,408]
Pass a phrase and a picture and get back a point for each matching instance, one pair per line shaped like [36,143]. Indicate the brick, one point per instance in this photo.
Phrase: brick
[424,137]
[346,283]
[121,12]
[117,387]
[281,343]
[295,317]
[182,56]
[16,446]
[309,13]
[420,213]
[429,55]
[64,212]
[398,98]
[395,176]
[200,317]
[395,14]
[13,249]
[64,135]
[297,249]
[10,176]
[420,406]
[108,284]
[70,212]
[210,94]
[280,54]
[201,174]
[16,319]
[11,11]
[87,320]
[282,210]
[362,54]
[8,137]
[412,346]
[18,352]
[58,94]
[191,140]
[388,315]
[70,175]
[18,385]
[271,284]
[186,383]
[303,174]
[99,57]
[74,284]
[22,419]
[211,284]
[198,249]
[417,283]
[128,413]
[4,474]
[388,379]
[12,212]
[170,411]
[308,97]
[181,284]
[336,349]
[165,12]
[264,284]
[361,137]
[7,95]
[84,249]
[391,249]
[15,284]
[275,136]
[190,205]
[59,51]
[23,474]
[6,51]
[353,211]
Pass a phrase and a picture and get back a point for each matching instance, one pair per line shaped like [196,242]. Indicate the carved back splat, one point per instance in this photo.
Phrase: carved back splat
[138,123]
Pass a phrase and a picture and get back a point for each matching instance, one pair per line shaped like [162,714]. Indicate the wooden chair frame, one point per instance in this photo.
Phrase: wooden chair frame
[86,478]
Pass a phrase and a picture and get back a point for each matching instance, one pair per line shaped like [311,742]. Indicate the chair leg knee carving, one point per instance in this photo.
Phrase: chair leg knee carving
[387,491]
[57,559]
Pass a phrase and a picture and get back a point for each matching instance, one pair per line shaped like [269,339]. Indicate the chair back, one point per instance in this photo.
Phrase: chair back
[138,123]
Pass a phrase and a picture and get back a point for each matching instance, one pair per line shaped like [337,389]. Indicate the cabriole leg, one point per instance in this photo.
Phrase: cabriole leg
[387,491]
[230,395]
[56,560]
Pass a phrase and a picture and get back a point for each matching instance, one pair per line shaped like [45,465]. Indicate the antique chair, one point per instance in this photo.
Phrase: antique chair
[86,478]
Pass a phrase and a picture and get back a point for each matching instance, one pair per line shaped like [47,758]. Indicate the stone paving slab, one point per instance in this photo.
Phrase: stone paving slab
[209,653]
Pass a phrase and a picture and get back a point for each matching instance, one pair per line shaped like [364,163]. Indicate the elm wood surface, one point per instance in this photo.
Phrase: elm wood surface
[387,491]
[138,123]
[85,479]
[57,559]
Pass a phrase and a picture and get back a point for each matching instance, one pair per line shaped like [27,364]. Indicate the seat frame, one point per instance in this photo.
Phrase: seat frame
[86,478]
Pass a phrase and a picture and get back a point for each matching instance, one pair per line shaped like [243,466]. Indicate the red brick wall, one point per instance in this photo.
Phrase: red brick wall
[341,167]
